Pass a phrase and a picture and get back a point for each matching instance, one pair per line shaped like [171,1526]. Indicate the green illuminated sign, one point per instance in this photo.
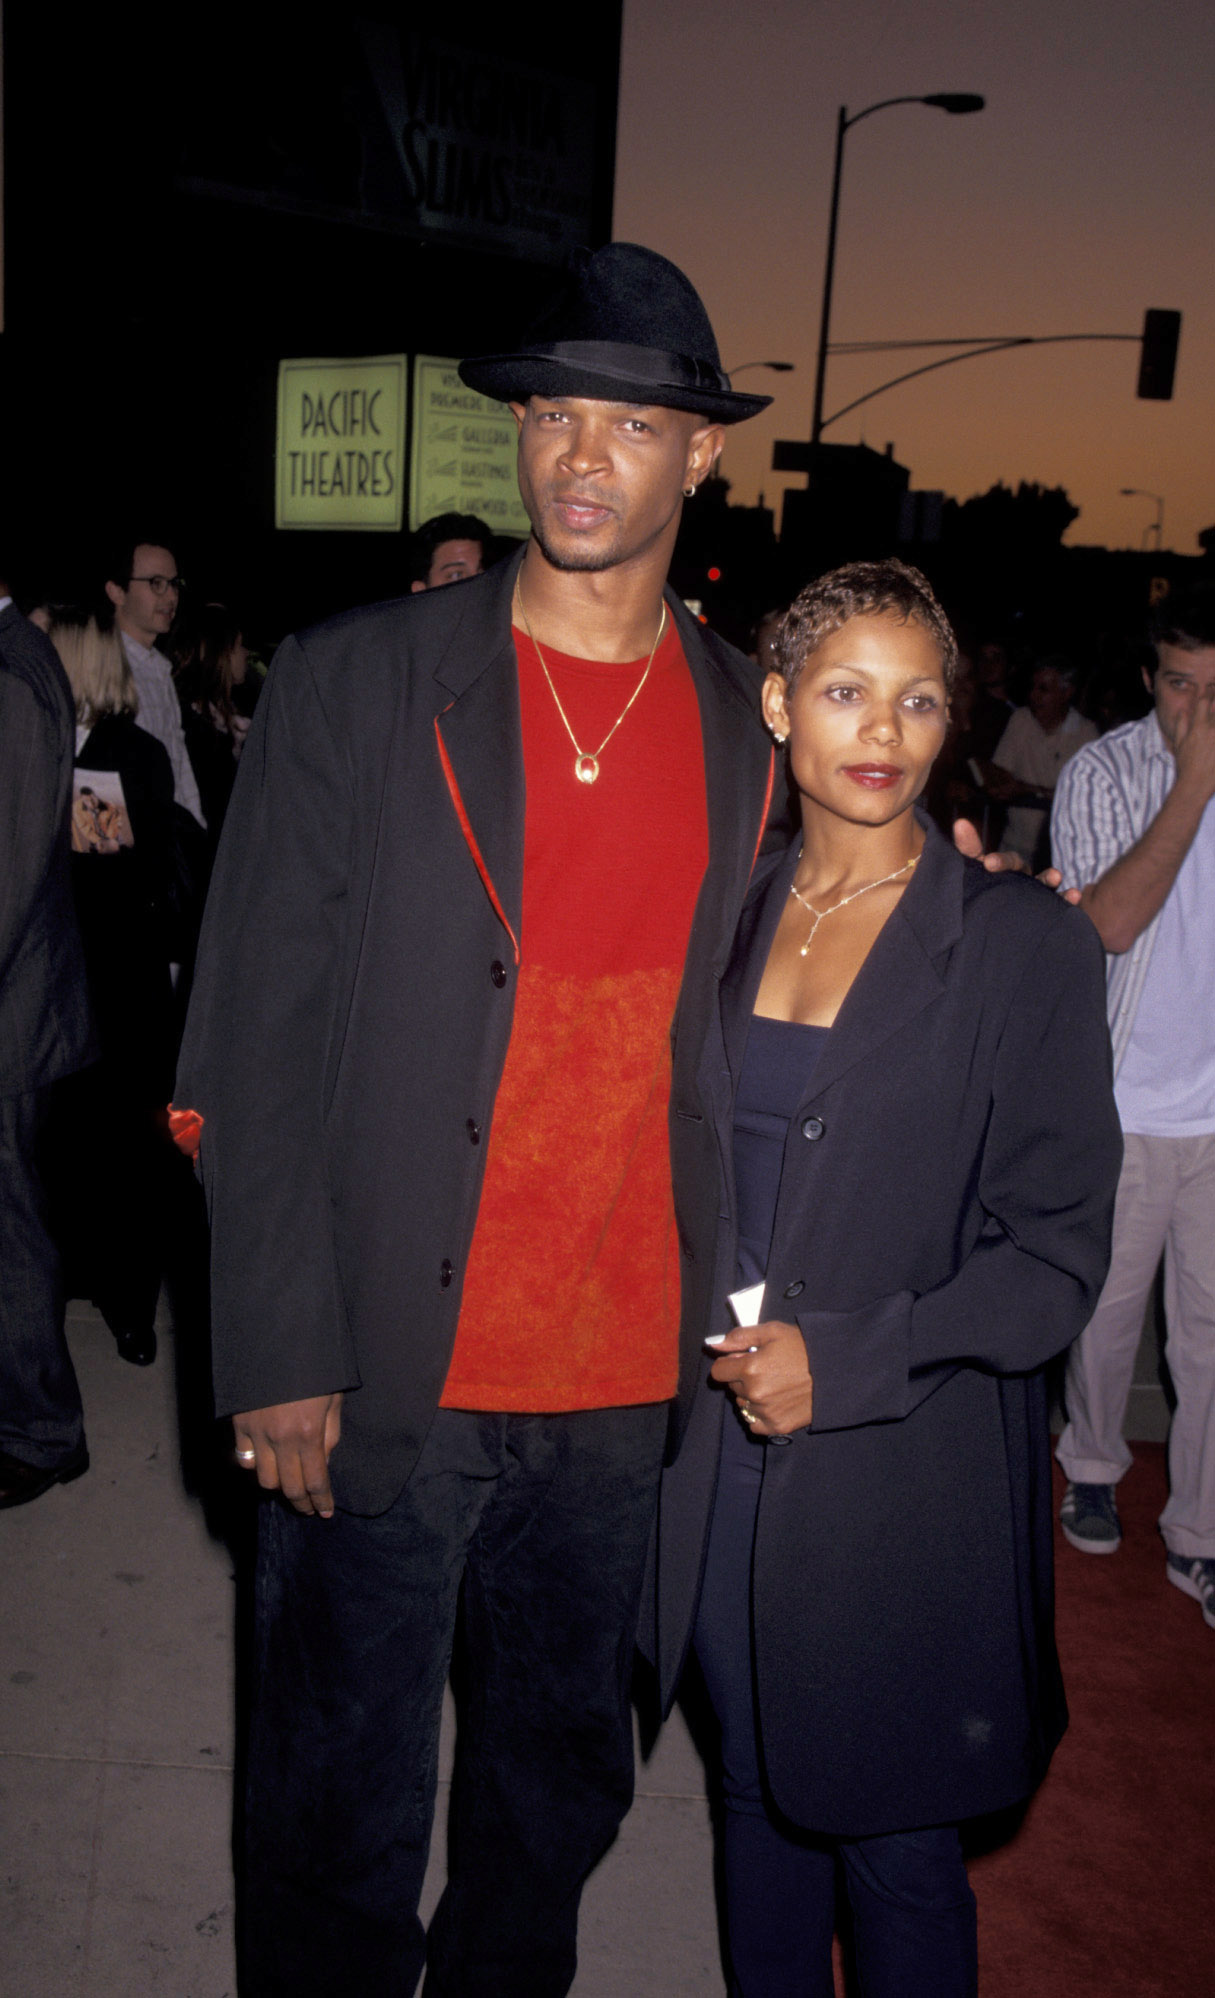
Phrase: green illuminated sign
[463,456]
[340,461]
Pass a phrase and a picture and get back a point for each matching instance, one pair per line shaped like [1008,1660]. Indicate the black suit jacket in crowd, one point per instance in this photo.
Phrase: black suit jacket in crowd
[942,1230]
[354,992]
[44,1017]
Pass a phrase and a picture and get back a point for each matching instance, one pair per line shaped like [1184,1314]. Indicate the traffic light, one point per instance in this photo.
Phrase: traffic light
[1158,355]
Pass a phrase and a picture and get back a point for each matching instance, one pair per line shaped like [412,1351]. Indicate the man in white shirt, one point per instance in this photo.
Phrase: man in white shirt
[145,598]
[1134,826]
[1039,739]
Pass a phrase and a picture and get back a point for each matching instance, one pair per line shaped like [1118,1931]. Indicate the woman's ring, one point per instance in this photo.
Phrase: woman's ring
[246,1456]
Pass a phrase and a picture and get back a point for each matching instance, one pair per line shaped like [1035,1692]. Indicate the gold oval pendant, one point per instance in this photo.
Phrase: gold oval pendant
[586,769]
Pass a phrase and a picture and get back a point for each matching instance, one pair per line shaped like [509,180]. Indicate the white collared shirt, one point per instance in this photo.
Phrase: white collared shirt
[160,715]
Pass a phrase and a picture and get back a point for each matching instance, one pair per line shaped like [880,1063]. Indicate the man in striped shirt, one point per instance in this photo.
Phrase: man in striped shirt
[1133,827]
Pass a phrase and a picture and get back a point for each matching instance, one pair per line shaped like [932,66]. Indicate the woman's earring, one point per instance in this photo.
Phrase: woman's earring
[779,739]
[689,492]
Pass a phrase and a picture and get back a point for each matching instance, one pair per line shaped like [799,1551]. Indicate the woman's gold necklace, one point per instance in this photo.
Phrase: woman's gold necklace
[586,762]
[820,915]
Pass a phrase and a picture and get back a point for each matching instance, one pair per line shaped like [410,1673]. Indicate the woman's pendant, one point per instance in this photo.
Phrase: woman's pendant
[814,932]
[586,769]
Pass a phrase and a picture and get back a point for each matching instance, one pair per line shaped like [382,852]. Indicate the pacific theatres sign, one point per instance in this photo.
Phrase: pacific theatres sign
[341,443]
[340,462]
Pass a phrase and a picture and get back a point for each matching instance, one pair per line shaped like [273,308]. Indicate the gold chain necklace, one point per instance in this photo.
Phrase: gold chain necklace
[821,914]
[586,763]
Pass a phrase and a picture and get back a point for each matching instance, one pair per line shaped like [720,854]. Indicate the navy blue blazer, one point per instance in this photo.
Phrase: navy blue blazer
[942,1230]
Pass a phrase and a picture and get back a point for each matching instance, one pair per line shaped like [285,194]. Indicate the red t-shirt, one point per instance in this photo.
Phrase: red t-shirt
[571,1297]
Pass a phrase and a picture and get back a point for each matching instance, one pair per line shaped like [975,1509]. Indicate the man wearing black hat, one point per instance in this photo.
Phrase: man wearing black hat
[474,835]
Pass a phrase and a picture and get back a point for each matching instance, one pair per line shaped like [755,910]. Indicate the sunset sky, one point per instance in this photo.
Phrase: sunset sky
[1084,193]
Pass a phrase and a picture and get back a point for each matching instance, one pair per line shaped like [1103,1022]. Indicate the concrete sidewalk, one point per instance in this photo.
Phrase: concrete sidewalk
[116,1732]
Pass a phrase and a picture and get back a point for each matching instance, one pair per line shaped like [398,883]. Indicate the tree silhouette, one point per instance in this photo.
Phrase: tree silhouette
[1028,522]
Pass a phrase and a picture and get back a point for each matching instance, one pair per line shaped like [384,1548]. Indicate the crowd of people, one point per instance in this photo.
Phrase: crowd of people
[161,702]
[164,693]
[535,1316]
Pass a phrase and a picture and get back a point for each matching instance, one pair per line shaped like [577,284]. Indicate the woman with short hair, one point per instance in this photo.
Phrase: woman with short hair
[895,1148]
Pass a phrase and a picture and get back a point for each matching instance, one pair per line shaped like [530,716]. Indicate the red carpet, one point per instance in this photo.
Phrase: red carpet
[1105,1891]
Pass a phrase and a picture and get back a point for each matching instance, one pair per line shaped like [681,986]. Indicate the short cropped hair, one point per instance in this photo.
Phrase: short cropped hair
[1186,617]
[443,527]
[863,589]
[1065,670]
[95,663]
[120,551]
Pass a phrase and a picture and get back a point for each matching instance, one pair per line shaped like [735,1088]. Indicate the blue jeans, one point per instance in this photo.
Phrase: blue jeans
[537,1528]
[912,1907]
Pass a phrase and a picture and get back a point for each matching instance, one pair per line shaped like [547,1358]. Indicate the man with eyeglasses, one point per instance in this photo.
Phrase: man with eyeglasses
[145,603]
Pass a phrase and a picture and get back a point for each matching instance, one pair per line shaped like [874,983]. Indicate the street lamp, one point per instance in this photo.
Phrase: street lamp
[959,104]
[1157,526]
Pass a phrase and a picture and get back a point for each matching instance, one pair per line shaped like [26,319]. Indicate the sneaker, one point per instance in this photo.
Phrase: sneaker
[1197,1578]
[1089,1519]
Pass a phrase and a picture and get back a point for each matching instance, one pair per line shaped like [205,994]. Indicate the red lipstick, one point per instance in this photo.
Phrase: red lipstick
[873,776]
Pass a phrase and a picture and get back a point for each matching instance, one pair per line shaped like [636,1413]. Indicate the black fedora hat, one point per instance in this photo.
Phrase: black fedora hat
[628,327]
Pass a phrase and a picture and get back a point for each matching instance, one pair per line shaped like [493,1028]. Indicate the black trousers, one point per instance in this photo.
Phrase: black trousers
[108,1168]
[41,1422]
[537,1528]
[913,1911]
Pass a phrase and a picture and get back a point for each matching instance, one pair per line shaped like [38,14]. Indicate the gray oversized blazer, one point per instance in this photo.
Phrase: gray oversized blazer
[942,1230]
[353,998]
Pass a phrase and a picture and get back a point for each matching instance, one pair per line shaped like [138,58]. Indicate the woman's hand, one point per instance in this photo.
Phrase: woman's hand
[766,1370]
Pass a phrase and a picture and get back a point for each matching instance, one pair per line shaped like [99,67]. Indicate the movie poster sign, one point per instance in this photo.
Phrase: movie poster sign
[464,451]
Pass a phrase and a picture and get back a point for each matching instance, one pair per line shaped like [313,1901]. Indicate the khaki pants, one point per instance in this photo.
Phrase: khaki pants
[1166,1203]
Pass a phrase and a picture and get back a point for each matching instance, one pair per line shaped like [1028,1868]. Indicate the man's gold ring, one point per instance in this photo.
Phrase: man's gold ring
[745,1410]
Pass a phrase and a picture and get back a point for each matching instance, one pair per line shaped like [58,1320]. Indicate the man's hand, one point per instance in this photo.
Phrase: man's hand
[967,841]
[1131,893]
[766,1370]
[1194,745]
[289,1445]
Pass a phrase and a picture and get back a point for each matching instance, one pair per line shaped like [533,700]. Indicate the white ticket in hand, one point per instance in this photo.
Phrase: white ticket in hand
[747,1304]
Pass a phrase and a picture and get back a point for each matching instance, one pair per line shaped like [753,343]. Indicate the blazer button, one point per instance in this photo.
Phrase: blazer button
[497,972]
[813,1127]
[474,1131]
[794,1289]
[446,1273]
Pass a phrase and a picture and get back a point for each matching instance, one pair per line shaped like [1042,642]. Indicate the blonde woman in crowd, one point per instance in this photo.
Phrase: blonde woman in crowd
[122,865]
